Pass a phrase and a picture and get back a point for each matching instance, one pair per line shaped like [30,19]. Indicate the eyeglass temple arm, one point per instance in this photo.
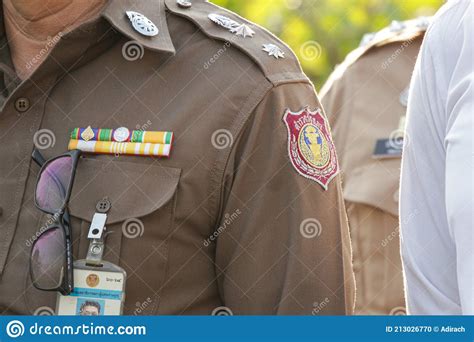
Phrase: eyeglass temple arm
[38,157]
[40,161]
[66,219]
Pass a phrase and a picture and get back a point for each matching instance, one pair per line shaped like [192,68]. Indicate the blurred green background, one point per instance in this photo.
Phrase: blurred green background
[323,32]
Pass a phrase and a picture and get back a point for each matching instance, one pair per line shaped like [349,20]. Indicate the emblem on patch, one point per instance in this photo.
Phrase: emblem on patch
[310,146]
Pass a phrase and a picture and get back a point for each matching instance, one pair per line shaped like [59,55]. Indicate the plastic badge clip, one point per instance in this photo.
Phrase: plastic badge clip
[97,237]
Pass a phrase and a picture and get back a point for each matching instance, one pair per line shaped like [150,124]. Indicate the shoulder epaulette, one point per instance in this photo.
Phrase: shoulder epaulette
[397,31]
[276,60]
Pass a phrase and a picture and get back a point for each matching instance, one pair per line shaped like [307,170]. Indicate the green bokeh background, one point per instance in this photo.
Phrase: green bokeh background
[323,32]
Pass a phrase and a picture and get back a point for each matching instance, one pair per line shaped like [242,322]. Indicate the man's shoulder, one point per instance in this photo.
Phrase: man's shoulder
[452,25]
[396,32]
[403,33]
[274,58]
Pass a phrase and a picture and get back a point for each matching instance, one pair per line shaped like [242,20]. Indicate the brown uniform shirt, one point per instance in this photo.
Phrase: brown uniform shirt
[219,222]
[366,101]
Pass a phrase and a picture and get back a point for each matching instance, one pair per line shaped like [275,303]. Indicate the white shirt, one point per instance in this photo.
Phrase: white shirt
[437,187]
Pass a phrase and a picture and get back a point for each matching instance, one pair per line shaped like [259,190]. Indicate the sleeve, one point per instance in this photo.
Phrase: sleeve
[286,249]
[436,185]
[459,165]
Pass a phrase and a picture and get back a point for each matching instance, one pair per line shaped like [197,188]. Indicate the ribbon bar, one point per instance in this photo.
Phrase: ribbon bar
[125,148]
[122,135]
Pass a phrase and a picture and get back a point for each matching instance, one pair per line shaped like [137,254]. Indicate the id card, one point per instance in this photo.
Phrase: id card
[98,291]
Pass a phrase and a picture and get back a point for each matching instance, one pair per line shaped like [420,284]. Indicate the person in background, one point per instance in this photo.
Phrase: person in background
[436,209]
[366,100]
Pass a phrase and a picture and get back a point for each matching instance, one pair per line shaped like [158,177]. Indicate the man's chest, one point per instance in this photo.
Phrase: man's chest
[154,202]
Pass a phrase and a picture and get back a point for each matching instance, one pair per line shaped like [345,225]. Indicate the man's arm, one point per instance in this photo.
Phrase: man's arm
[459,160]
[436,186]
[288,249]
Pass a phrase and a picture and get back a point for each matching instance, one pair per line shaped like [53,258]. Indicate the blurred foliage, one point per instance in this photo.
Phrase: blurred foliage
[323,32]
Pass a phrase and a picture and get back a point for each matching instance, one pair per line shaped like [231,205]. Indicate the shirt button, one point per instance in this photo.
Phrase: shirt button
[22,104]
[103,205]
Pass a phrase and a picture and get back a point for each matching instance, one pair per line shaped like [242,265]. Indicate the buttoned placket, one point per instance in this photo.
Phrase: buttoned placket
[22,106]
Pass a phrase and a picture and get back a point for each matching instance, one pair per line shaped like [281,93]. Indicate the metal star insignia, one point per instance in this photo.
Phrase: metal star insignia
[273,50]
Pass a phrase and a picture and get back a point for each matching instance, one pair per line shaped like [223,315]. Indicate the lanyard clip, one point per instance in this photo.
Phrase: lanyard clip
[97,240]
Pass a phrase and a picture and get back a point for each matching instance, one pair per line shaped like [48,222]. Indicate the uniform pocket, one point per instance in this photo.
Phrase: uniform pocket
[375,185]
[139,222]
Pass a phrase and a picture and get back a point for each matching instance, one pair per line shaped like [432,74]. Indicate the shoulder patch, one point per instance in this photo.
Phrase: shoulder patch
[276,59]
[310,145]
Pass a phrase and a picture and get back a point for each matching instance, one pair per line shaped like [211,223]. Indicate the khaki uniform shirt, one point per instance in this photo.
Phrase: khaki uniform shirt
[220,222]
[366,96]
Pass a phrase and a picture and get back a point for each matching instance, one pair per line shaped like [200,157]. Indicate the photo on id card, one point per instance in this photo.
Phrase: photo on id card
[98,291]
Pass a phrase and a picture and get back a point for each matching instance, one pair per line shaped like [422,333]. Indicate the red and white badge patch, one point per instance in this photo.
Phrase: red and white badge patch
[310,146]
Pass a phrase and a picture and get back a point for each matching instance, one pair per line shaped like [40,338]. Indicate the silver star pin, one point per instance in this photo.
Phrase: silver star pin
[142,24]
[423,22]
[223,21]
[273,50]
[243,30]
[366,39]
[397,26]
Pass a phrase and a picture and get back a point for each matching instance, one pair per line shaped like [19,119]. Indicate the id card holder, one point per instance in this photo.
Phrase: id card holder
[99,285]
[98,291]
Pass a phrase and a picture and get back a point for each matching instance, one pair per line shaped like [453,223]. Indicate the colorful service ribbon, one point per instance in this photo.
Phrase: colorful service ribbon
[125,148]
[122,135]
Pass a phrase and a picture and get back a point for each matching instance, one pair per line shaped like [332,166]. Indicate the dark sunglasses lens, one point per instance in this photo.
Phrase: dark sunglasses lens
[48,259]
[53,184]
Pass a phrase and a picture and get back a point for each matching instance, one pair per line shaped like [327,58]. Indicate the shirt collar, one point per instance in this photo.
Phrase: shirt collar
[115,13]
[66,52]
[155,10]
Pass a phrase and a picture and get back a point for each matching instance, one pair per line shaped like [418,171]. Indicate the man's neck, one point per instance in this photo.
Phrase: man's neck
[31,26]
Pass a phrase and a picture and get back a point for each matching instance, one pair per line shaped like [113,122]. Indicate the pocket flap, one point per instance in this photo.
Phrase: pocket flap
[375,185]
[134,190]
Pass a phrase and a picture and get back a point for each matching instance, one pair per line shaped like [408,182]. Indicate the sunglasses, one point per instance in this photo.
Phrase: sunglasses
[51,264]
